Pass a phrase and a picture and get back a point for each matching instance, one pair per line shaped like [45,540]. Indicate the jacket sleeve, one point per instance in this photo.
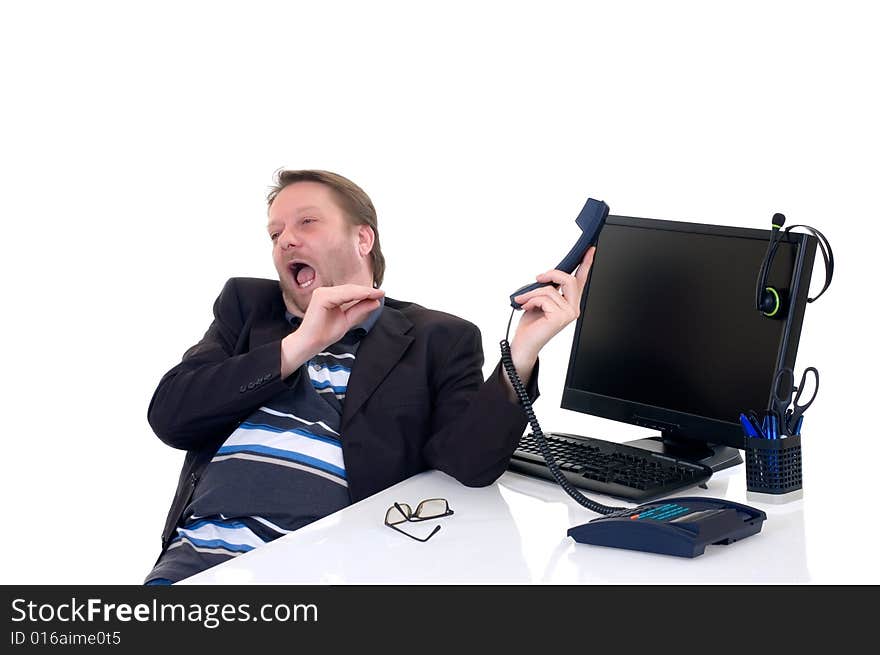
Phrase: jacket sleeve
[218,383]
[475,426]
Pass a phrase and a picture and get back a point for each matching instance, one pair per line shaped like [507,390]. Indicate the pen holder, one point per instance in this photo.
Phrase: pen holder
[773,466]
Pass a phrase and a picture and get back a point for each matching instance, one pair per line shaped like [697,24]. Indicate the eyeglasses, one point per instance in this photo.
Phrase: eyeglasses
[433,508]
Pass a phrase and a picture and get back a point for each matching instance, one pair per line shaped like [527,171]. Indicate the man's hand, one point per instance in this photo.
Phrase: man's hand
[546,311]
[332,312]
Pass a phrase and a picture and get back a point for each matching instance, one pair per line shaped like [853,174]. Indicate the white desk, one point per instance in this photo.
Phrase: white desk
[512,532]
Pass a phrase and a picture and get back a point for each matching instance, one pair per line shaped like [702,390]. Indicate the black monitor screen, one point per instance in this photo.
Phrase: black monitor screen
[669,321]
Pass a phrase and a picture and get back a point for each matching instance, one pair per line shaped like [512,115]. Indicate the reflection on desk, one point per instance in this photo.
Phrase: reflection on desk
[512,532]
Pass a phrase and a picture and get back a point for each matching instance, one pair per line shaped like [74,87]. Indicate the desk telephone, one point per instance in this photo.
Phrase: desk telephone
[674,526]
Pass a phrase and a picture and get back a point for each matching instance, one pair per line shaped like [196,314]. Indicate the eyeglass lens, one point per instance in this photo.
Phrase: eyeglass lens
[394,516]
[431,508]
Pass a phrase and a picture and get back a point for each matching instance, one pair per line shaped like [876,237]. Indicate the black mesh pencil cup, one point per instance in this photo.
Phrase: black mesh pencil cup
[773,466]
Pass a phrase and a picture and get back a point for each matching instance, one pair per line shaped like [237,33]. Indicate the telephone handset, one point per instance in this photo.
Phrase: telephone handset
[590,220]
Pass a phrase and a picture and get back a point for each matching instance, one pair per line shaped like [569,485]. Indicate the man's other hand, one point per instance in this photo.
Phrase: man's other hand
[332,312]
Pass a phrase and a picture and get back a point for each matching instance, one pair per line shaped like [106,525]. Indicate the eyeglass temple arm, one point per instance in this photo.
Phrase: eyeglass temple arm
[433,532]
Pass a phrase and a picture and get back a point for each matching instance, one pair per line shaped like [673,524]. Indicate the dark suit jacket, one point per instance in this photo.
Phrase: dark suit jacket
[416,397]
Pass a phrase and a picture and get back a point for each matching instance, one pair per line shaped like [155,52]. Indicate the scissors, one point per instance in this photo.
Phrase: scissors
[788,412]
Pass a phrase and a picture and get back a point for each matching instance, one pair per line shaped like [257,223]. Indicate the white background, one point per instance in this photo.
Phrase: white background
[137,142]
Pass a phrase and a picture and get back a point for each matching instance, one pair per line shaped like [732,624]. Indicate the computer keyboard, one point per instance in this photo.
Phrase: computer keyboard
[609,468]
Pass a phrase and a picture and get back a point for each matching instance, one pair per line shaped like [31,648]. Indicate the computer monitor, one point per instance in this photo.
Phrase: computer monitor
[669,337]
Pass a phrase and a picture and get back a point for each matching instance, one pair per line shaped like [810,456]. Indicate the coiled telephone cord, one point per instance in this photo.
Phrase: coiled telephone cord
[519,388]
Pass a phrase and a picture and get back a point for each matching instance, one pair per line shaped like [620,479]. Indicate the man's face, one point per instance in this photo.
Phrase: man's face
[314,244]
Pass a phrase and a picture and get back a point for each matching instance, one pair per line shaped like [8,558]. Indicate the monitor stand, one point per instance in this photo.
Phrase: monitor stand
[715,456]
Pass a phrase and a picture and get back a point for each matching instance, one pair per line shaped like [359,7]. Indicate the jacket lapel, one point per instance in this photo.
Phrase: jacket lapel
[272,327]
[377,354]
[269,331]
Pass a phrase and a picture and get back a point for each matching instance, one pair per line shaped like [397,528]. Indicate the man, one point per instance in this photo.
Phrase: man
[316,391]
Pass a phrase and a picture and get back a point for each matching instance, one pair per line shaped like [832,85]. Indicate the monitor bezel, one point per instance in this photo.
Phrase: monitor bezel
[683,426]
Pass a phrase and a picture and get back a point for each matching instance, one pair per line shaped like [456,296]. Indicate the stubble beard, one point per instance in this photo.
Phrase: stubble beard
[291,300]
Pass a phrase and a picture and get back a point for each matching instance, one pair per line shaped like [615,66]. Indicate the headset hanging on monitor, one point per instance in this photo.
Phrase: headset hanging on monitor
[769,300]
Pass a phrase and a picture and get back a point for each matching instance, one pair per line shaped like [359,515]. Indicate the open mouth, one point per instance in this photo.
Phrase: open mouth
[303,274]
